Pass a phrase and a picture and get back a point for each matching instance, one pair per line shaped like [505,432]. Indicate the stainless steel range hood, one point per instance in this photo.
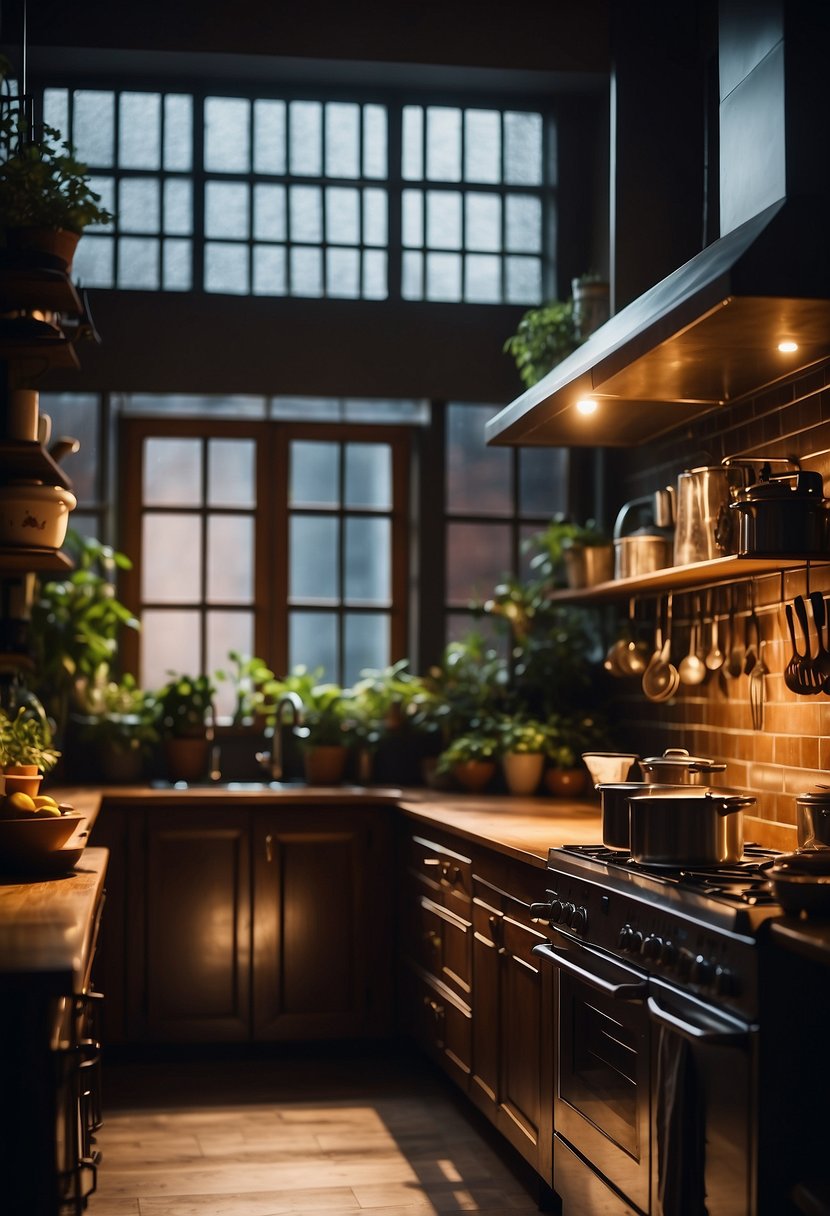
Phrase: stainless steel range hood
[711,333]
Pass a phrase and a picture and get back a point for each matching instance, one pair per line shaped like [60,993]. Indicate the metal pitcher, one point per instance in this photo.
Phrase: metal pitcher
[705,527]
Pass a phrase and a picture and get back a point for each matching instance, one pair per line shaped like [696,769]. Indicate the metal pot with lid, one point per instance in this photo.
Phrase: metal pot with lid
[649,547]
[688,827]
[801,881]
[677,767]
[705,527]
[616,812]
[783,512]
[813,819]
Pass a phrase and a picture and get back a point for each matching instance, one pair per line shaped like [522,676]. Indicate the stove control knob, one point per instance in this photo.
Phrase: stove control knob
[568,910]
[652,947]
[668,954]
[684,963]
[555,911]
[579,920]
[541,913]
[635,941]
[625,934]
[727,982]
[702,971]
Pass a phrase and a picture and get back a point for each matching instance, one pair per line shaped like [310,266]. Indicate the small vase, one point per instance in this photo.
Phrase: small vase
[522,771]
[566,782]
[23,779]
[186,758]
[474,775]
[324,765]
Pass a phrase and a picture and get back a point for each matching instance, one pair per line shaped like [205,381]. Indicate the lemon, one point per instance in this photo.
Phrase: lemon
[22,802]
[48,810]
[43,800]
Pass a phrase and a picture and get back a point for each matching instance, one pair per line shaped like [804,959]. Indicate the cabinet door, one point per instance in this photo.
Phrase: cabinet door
[488,924]
[322,923]
[194,911]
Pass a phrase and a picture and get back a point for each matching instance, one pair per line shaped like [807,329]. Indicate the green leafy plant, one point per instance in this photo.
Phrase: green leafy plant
[550,546]
[481,744]
[42,182]
[569,735]
[255,687]
[525,736]
[184,706]
[329,717]
[544,337]
[122,716]
[75,627]
[26,738]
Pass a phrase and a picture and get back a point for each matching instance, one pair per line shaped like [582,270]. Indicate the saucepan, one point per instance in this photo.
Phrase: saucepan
[801,881]
[614,796]
[677,767]
[813,819]
[688,826]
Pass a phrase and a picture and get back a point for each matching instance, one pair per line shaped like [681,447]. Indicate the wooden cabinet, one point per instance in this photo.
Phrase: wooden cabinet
[231,924]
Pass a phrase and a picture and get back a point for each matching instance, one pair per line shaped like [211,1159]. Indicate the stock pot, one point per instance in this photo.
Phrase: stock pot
[813,820]
[687,827]
[614,796]
[677,767]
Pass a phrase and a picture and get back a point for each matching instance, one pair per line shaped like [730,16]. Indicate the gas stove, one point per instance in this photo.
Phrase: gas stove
[696,929]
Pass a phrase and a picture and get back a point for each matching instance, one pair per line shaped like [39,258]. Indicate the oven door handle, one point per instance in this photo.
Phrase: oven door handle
[633,991]
[696,1034]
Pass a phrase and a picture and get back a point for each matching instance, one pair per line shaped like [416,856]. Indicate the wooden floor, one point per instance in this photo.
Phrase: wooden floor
[376,1134]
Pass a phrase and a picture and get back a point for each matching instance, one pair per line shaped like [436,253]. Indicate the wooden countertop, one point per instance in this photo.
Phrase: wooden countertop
[47,928]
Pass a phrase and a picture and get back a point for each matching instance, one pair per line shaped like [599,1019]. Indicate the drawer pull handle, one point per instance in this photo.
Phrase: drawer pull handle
[433,938]
[269,851]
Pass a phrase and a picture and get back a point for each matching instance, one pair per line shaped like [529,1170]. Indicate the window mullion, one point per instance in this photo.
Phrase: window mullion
[395,199]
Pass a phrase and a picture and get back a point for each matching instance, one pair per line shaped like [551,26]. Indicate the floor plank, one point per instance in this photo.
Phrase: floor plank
[302,1136]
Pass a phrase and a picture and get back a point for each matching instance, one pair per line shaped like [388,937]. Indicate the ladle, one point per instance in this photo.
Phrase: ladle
[633,658]
[692,669]
[715,656]
[661,678]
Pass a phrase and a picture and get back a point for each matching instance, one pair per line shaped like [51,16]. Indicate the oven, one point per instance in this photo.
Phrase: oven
[656,1042]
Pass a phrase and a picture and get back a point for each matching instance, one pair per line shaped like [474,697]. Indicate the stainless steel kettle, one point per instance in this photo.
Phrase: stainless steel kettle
[649,547]
[705,527]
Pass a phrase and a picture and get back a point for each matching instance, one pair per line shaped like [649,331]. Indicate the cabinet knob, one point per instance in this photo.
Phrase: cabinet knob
[433,938]
[269,851]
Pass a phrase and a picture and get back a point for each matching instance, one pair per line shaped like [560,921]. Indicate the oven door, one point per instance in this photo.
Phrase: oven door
[602,1091]
[704,1110]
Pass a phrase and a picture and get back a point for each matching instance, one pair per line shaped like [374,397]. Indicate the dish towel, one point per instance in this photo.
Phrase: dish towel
[681,1139]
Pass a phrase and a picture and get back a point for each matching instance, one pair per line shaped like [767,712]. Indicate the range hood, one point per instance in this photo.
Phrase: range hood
[750,309]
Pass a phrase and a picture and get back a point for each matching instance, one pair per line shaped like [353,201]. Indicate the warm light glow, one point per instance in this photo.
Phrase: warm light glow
[586,406]
[787,347]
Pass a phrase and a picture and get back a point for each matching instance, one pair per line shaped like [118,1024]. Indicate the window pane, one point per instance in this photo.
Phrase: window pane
[413,143]
[226,210]
[443,219]
[523,148]
[413,217]
[77,415]
[269,213]
[313,545]
[139,205]
[367,565]
[375,223]
[269,137]
[177,265]
[524,280]
[178,206]
[315,474]
[56,108]
[93,128]
[172,473]
[343,273]
[368,475]
[365,644]
[139,130]
[306,271]
[230,559]
[232,472]
[374,275]
[342,139]
[412,276]
[342,215]
[226,631]
[178,133]
[138,263]
[479,478]
[269,271]
[482,146]
[226,268]
[94,263]
[443,276]
[305,133]
[543,481]
[483,222]
[171,565]
[227,135]
[312,642]
[306,213]
[443,144]
[482,278]
[523,224]
[374,141]
[170,641]
[104,187]
[478,556]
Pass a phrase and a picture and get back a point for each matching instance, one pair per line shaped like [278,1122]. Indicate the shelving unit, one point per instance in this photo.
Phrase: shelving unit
[694,577]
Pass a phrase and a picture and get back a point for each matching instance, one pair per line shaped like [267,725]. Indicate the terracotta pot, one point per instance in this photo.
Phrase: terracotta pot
[186,758]
[474,775]
[23,779]
[523,771]
[57,242]
[325,765]
[566,782]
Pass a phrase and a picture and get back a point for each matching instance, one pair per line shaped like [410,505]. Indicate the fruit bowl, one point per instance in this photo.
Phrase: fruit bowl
[31,843]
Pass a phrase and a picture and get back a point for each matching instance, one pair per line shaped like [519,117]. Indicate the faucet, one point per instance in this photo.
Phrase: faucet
[272,760]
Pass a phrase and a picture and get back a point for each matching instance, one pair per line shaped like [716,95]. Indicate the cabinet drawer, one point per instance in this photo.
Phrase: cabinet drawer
[442,1024]
[442,945]
[447,872]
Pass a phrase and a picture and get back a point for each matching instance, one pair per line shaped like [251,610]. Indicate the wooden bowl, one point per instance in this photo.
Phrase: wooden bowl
[31,841]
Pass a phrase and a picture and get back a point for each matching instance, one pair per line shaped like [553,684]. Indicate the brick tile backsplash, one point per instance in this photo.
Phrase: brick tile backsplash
[792,751]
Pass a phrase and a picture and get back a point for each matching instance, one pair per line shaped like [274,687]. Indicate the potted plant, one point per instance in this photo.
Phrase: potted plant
[471,757]
[119,734]
[46,199]
[544,337]
[569,735]
[590,296]
[328,728]
[387,707]
[26,751]
[567,553]
[523,745]
[184,719]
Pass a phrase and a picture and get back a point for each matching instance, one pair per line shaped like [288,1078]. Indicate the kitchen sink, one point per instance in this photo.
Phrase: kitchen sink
[229,785]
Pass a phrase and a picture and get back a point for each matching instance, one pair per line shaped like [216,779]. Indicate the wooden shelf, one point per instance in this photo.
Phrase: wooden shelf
[26,459]
[697,575]
[43,288]
[20,559]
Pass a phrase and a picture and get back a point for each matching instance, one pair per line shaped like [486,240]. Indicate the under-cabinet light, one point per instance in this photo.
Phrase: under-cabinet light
[587,406]
[787,347]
